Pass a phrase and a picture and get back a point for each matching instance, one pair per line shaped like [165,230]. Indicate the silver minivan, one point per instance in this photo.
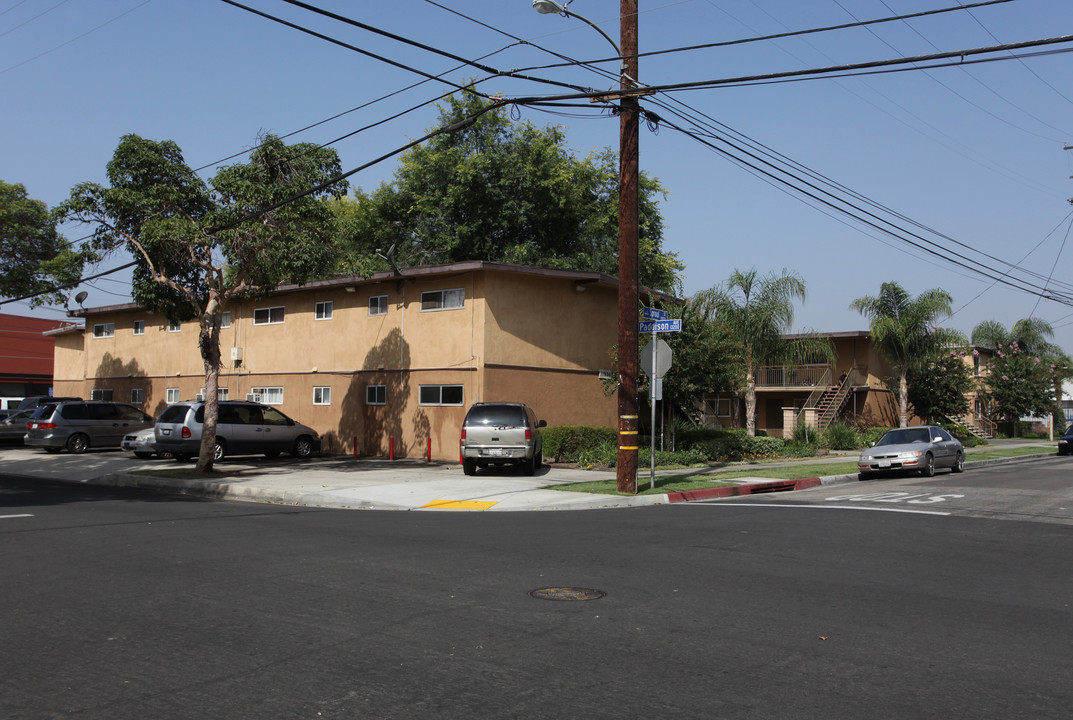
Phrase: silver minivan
[242,428]
[501,433]
[79,426]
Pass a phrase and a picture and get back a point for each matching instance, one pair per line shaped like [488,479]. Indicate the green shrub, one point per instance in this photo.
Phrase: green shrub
[840,436]
[605,454]
[762,446]
[805,434]
[798,449]
[687,458]
[566,442]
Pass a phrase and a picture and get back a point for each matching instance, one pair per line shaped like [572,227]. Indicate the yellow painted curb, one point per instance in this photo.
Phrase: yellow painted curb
[460,504]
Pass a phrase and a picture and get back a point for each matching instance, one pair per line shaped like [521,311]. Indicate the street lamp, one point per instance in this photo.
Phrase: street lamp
[628,201]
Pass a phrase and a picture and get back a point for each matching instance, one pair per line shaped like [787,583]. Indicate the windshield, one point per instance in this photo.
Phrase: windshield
[905,436]
[497,416]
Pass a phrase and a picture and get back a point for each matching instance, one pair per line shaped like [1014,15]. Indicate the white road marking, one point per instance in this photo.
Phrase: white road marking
[5,517]
[824,507]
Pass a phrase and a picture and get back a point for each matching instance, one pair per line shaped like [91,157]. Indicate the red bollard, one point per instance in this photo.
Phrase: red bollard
[355,447]
[428,452]
[391,449]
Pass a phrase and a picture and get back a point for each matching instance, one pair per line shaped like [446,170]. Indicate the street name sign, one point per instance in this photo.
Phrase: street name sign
[648,326]
[654,314]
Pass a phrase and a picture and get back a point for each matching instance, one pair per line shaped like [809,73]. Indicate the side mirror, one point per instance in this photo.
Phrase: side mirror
[936,439]
[542,423]
[872,444]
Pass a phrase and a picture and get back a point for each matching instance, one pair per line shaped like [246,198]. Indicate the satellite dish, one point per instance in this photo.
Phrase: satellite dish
[81,297]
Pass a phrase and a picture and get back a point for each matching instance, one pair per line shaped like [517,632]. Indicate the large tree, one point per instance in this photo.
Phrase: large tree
[199,245]
[938,386]
[34,258]
[1032,335]
[505,191]
[759,312]
[904,329]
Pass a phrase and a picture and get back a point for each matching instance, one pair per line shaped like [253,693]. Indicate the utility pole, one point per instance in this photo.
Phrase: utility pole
[628,294]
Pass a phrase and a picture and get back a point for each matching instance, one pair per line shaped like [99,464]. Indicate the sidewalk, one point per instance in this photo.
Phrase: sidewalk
[380,484]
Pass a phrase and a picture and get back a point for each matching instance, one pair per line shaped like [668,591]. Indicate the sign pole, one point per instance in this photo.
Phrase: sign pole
[652,424]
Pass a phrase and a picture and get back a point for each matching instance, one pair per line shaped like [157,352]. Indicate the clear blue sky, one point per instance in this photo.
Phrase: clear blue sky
[975,153]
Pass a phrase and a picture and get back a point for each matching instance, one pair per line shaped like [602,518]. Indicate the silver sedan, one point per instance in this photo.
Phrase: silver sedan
[920,449]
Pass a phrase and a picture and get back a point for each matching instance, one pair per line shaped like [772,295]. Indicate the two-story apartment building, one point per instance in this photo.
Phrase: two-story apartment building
[395,359]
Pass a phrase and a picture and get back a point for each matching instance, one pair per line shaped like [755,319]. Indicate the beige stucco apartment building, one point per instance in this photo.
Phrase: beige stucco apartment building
[395,359]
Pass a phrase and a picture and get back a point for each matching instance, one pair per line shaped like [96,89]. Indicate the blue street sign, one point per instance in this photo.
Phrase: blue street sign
[654,314]
[647,326]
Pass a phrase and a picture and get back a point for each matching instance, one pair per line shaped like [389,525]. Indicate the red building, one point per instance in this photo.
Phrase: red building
[26,357]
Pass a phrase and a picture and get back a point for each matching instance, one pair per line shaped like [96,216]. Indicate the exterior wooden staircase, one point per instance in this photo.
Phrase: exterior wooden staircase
[980,427]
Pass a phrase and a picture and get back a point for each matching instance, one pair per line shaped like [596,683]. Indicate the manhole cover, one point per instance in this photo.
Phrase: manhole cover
[567,593]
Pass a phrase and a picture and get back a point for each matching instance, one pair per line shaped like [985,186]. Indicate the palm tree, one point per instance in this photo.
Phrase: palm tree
[1030,334]
[758,311]
[903,328]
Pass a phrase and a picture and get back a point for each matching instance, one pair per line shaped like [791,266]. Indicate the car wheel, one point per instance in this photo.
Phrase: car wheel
[959,463]
[143,455]
[77,443]
[929,467]
[529,466]
[303,447]
[469,466]
[220,451]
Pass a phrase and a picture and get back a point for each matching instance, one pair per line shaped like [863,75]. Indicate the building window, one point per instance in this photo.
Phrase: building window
[174,326]
[104,330]
[266,395]
[137,396]
[443,299]
[104,394]
[722,407]
[324,310]
[378,305]
[225,319]
[171,395]
[139,327]
[322,395]
[376,394]
[440,395]
[221,394]
[268,316]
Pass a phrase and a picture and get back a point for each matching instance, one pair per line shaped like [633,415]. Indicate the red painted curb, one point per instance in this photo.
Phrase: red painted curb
[747,489]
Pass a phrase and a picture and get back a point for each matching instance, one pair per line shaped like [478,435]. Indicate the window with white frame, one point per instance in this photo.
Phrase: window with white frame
[174,325]
[268,315]
[322,395]
[225,319]
[439,395]
[323,310]
[376,394]
[104,394]
[221,394]
[443,299]
[104,330]
[137,396]
[266,395]
[378,305]
[139,327]
[171,395]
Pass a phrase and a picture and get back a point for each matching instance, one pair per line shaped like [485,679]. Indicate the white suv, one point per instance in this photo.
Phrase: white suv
[501,433]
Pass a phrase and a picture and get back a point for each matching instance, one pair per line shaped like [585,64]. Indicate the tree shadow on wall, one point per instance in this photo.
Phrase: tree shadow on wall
[375,408]
[122,375]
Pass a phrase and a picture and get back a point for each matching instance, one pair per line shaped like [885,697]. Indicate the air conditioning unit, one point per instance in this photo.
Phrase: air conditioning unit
[606,375]
[253,397]
[199,398]
[236,354]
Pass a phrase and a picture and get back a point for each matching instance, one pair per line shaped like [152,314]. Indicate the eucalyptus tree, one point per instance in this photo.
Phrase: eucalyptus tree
[199,245]
[758,312]
[34,257]
[905,332]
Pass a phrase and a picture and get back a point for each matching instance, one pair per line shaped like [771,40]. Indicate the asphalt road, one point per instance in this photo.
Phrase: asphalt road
[118,604]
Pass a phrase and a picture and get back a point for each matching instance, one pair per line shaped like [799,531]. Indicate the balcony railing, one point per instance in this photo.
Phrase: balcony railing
[799,376]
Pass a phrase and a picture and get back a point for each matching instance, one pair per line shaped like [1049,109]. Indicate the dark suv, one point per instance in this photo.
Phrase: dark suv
[242,428]
[501,433]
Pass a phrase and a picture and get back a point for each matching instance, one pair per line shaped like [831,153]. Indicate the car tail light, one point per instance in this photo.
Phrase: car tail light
[186,432]
[463,433]
[528,434]
[40,426]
